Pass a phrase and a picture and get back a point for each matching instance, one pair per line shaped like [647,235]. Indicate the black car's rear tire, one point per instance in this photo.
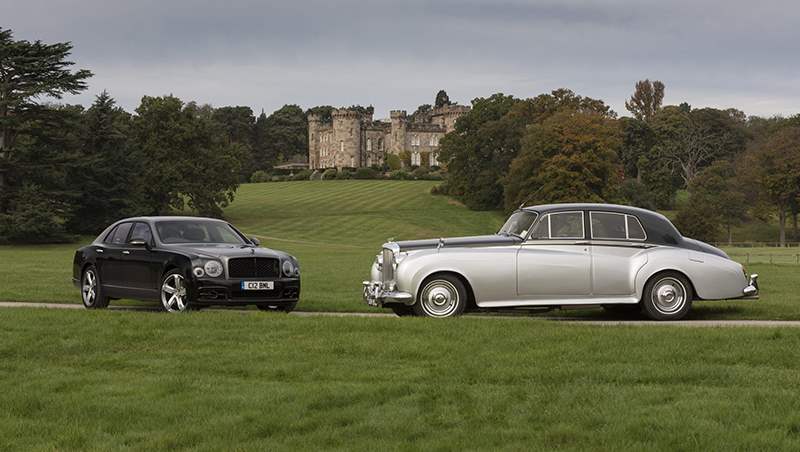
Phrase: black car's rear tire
[92,290]
[286,307]
[667,296]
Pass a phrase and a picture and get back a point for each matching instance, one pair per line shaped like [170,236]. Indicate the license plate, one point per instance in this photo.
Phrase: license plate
[258,285]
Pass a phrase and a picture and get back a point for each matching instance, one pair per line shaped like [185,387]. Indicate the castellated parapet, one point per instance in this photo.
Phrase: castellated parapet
[354,140]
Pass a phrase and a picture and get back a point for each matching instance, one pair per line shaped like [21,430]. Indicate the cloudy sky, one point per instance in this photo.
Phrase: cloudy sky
[397,54]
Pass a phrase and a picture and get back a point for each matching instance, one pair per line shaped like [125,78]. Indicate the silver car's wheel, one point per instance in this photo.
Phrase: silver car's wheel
[443,296]
[667,296]
[174,296]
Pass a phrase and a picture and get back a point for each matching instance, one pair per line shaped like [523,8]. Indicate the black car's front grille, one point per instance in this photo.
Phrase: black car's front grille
[254,267]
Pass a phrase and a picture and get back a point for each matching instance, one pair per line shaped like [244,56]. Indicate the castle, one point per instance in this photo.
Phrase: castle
[351,139]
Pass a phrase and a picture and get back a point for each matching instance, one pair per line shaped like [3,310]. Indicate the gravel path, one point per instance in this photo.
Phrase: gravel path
[570,320]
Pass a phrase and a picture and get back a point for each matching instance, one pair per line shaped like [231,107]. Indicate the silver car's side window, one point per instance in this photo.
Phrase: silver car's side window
[607,225]
[615,226]
[561,225]
[635,229]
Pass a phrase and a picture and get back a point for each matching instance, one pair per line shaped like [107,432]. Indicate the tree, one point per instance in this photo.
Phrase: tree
[569,157]
[442,99]
[28,72]
[715,201]
[646,99]
[186,155]
[687,140]
[107,176]
[238,126]
[285,135]
[487,139]
[777,169]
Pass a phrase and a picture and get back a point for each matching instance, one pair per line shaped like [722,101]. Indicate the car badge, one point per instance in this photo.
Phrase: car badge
[252,251]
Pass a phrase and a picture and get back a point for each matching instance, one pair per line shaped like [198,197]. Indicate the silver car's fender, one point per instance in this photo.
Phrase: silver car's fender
[713,277]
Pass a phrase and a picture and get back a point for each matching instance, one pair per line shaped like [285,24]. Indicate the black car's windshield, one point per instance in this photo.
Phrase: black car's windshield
[198,231]
[519,223]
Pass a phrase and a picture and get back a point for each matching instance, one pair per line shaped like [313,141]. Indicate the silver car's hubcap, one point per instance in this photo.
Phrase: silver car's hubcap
[669,296]
[89,288]
[173,293]
[439,298]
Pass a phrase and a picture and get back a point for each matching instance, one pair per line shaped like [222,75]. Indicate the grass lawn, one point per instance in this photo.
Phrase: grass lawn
[222,380]
[335,228]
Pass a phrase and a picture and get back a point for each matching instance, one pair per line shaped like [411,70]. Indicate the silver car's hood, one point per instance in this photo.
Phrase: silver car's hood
[478,240]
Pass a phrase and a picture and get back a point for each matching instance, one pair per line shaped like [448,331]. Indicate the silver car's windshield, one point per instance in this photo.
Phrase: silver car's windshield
[197,231]
[519,223]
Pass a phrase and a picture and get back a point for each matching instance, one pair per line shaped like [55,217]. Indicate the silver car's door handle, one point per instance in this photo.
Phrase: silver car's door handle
[126,252]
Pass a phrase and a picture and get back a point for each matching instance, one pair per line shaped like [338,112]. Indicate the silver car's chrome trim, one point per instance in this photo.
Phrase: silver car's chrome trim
[376,295]
[752,286]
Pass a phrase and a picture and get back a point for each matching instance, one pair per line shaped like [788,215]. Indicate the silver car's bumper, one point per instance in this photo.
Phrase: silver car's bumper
[376,295]
[751,291]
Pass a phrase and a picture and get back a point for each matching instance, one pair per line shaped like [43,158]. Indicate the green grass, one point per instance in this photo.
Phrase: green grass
[81,380]
[336,227]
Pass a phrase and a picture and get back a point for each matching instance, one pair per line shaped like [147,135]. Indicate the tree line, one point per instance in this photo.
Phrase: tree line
[564,147]
[66,170]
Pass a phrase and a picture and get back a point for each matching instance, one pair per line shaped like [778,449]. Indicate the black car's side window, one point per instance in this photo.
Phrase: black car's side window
[120,235]
[141,231]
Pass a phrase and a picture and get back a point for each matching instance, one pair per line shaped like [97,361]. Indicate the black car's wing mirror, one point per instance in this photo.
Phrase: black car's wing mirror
[255,241]
[139,242]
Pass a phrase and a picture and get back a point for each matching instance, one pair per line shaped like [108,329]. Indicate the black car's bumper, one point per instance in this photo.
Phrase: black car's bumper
[229,292]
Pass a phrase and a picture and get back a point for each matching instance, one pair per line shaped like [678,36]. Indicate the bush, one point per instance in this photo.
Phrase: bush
[260,176]
[302,175]
[34,219]
[344,175]
[420,173]
[393,162]
[329,174]
[441,189]
[366,173]
[280,178]
[316,175]
[434,175]
[400,175]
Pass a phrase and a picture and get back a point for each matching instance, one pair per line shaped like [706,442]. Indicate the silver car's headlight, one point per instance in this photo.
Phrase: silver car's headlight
[213,268]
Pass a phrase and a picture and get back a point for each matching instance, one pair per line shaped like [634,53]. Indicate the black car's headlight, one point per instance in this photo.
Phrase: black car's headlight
[208,268]
[290,268]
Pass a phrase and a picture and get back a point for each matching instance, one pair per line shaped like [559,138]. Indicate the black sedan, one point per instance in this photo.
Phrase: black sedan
[186,263]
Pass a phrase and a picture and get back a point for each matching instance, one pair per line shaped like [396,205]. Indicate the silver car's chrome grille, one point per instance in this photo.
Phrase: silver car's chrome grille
[388,267]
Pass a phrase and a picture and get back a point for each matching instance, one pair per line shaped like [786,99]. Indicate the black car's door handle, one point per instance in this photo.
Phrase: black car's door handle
[100,250]
[126,252]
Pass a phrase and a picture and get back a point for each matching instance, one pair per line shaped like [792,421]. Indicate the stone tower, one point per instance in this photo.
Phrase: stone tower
[314,123]
[346,138]
[398,137]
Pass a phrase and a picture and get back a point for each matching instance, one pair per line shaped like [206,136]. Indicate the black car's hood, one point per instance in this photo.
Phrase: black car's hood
[225,251]
[478,240]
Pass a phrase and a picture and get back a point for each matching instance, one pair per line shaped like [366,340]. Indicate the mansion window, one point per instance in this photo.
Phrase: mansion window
[416,159]
[434,141]
[433,159]
[414,140]
[341,145]
[369,144]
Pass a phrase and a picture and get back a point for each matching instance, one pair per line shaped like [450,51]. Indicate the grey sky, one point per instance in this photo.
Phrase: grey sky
[397,54]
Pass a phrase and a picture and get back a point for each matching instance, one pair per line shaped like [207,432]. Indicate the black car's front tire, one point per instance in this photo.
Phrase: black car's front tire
[91,290]
[286,307]
[175,292]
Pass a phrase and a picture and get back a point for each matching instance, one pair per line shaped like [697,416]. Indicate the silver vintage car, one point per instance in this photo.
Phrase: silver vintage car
[559,255]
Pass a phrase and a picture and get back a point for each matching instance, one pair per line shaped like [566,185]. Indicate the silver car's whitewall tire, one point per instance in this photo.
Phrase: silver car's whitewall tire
[667,296]
[91,290]
[441,296]
[174,292]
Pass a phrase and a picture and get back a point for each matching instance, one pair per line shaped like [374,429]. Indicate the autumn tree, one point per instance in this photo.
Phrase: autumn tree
[777,169]
[569,157]
[646,99]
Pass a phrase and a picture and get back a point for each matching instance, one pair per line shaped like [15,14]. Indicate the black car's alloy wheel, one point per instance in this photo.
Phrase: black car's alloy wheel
[174,292]
[91,290]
